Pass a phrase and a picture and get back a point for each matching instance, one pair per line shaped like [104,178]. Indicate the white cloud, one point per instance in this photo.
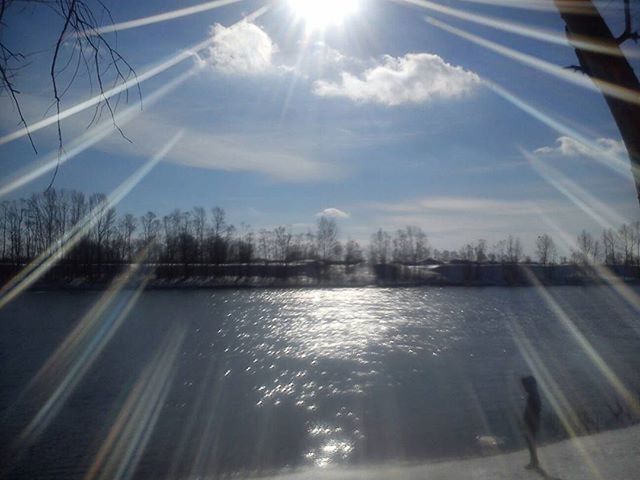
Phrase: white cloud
[570,147]
[230,152]
[331,56]
[333,212]
[323,53]
[241,49]
[319,60]
[413,78]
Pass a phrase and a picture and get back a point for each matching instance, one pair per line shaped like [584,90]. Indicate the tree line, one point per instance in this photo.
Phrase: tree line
[30,226]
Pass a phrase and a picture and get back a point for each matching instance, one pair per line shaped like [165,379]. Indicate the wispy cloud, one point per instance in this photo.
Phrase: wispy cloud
[230,152]
[493,167]
[333,212]
[412,78]
[452,221]
[452,205]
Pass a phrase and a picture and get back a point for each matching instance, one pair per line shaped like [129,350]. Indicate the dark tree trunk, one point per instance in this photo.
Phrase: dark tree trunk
[587,23]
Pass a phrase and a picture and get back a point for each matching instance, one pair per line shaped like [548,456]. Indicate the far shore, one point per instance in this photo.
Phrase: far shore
[316,275]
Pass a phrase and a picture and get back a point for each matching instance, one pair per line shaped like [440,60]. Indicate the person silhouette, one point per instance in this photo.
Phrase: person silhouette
[531,419]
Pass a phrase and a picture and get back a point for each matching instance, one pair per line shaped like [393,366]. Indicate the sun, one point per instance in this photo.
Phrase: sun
[320,14]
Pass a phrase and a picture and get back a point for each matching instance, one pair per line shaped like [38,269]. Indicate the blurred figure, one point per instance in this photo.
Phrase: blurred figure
[531,419]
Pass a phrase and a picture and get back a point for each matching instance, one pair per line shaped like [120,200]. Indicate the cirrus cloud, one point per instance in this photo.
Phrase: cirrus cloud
[233,152]
[412,78]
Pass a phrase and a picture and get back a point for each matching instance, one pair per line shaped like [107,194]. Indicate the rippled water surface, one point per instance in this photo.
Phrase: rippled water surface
[195,383]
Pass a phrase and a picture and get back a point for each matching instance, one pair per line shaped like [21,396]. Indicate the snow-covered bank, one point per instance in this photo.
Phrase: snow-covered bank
[317,275]
[613,455]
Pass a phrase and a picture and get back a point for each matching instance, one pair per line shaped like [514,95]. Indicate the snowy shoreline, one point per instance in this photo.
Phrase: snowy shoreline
[221,284]
[610,455]
[313,275]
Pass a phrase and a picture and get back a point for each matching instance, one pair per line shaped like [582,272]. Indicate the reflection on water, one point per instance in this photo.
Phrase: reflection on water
[283,378]
[354,328]
[330,446]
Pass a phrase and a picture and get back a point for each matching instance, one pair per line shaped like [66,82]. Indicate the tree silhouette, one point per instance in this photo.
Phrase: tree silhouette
[545,249]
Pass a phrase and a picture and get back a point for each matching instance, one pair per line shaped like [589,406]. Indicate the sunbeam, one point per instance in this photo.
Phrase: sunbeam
[189,52]
[160,17]
[68,365]
[523,30]
[586,346]
[90,137]
[59,248]
[559,403]
[79,107]
[209,392]
[381,239]
[586,202]
[630,296]
[121,450]
[569,76]
[537,5]
[617,164]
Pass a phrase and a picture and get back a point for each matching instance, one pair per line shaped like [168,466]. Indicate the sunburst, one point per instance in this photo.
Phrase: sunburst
[320,14]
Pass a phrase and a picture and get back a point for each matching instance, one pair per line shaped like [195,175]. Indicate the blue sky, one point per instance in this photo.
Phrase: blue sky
[384,118]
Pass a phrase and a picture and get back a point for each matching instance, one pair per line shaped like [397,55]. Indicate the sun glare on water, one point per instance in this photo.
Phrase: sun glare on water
[319,14]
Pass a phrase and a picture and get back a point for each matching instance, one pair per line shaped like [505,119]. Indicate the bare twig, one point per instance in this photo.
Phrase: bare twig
[89,50]
[8,85]
[628,33]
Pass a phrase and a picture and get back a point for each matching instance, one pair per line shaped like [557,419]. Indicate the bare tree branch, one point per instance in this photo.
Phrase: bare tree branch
[606,69]
[89,50]
[628,34]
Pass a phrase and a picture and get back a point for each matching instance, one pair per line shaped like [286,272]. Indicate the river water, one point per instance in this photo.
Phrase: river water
[177,384]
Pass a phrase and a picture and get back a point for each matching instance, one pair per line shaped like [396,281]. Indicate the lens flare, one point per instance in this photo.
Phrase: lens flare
[320,15]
